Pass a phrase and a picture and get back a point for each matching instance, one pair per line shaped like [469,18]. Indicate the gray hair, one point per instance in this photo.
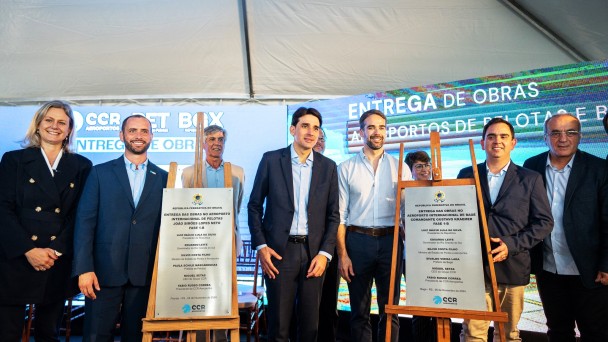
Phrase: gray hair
[213,129]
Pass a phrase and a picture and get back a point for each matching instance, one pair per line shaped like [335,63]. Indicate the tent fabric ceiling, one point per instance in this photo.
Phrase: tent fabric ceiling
[149,50]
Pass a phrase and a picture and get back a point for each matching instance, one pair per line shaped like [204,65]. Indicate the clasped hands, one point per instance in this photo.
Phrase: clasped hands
[316,269]
[41,259]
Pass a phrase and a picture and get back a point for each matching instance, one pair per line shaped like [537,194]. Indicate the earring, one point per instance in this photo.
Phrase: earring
[37,131]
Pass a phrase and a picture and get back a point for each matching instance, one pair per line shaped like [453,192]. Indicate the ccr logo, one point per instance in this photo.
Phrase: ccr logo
[186,308]
[450,300]
[97,121]
[78,120]
[445,300]
[198,307]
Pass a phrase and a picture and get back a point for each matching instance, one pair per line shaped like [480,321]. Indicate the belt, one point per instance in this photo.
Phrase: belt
[372,231]
[298,238]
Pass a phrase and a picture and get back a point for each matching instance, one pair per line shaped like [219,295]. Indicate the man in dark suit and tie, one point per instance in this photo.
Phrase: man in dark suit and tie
[571,264]
[296,233]
[518,216]
[117,224]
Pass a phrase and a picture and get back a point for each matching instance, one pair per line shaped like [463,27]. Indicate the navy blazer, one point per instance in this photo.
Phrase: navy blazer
[520,216]
[585,217]
[37,210]
[113,238]
[274,184]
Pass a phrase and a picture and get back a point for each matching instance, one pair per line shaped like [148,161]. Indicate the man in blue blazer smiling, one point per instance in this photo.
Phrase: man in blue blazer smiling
[296,234]
[518,216]
[117,224]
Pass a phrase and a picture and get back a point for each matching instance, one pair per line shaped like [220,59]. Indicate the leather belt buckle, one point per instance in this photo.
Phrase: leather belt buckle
[298,239]
[372,231]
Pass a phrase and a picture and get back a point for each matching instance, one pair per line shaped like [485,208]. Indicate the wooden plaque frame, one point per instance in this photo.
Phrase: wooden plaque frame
[443,315]
[153,324]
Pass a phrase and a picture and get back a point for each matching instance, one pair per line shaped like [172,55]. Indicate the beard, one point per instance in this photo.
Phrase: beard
[375,146]
[137,150]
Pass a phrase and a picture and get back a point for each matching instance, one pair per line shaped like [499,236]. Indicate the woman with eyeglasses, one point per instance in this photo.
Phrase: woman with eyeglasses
[39,189]
[419,162]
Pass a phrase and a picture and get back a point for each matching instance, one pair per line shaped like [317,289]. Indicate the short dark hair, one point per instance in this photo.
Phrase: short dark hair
[578,122]
[300,112]
[124,122]
[605,121]
[368,114]
[413,157]
[497,121]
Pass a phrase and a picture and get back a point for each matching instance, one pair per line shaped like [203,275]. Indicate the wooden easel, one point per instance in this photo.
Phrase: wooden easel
[441,314]
[192,324]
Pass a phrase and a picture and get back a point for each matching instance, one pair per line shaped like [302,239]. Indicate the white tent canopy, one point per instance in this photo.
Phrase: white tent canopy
[146,51]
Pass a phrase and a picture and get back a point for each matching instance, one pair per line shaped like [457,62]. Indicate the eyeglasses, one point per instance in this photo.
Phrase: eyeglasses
[321,140]
[422,166]
[571,133]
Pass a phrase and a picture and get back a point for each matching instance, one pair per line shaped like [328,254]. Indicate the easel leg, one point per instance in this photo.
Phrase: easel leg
[147,337]
[234,335]
[191,336]
[444,327]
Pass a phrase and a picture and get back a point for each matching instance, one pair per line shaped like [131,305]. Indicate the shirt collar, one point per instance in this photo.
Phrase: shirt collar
[48,163]
[364,157]
[569,165]
[294,155]
[131,166]
[501,172]
[212,168]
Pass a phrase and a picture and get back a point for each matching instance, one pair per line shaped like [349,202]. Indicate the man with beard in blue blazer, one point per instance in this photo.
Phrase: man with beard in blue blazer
[117,224]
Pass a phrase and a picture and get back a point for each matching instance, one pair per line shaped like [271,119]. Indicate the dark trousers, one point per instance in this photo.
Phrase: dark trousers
[46,324]
[566,302]
[424,329]
[328,310]
[289,288]
[371,257]
[101,314]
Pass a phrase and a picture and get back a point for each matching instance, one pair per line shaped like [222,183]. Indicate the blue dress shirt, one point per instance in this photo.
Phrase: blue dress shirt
[556,254]
[137,178]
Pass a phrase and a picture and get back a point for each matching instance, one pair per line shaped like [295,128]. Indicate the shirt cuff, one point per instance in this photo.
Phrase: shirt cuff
[327,255]
[260,247]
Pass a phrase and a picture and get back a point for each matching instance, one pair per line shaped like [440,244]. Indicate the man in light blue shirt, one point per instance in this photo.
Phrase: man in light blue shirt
[293,218]
[215,138]
[137,177]
[215,143]
[571,265]
[368,183]
[518,218]
[115,236]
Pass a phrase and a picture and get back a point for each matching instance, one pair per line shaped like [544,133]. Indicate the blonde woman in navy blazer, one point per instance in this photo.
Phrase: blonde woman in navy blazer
[39,189]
